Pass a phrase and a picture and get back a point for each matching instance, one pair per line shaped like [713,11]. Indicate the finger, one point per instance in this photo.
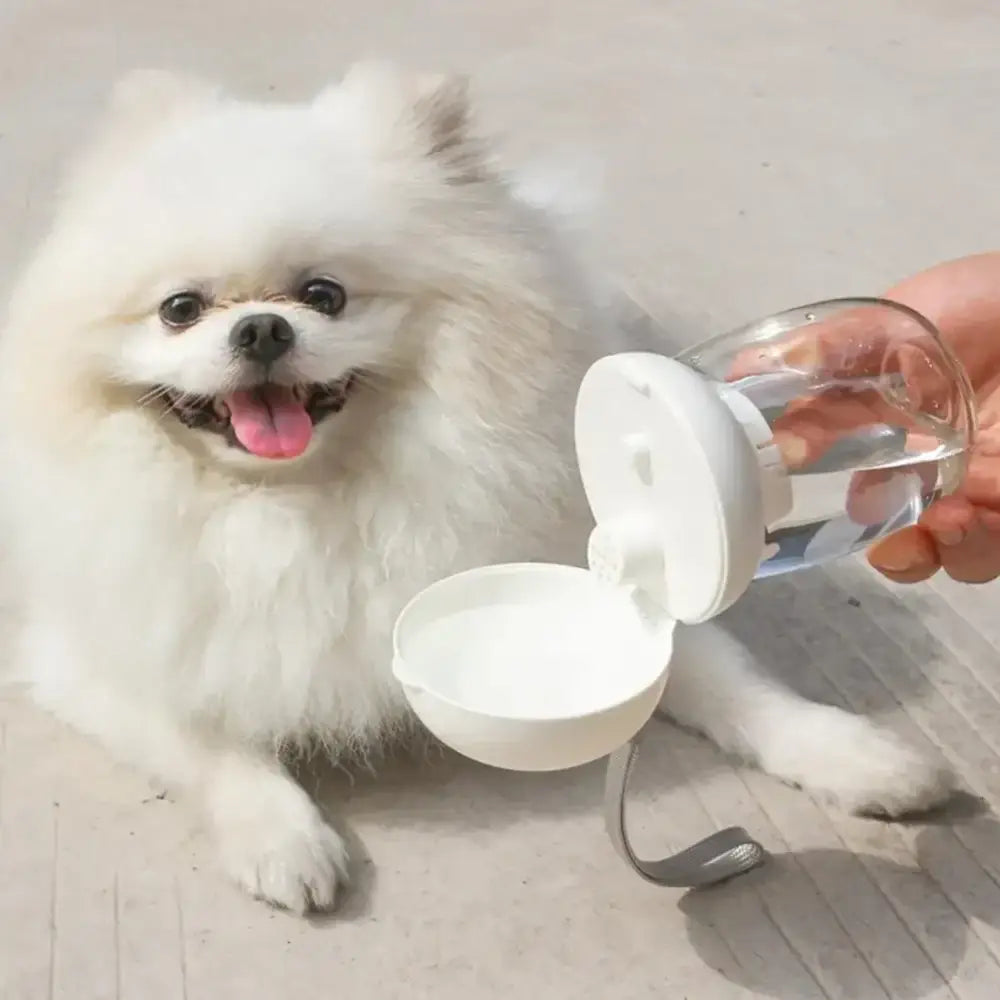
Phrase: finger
[880,496]
[850,342]
[909,556]
[949,520]
[974,557]
[811,426]
[981,485]
[861,366]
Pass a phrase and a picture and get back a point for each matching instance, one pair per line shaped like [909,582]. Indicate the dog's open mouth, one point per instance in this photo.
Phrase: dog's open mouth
[269,420]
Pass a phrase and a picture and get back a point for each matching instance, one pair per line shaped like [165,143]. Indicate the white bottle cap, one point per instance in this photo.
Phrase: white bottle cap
[539,667]
[672,468]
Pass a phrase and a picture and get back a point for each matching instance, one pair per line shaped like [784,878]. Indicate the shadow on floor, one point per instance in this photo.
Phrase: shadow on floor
[939,901]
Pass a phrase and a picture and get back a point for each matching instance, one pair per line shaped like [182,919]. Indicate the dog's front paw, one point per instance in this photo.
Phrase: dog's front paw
[274,843]
[868,770]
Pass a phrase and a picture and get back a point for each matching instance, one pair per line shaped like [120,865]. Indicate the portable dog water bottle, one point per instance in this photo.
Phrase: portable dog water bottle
[792,441]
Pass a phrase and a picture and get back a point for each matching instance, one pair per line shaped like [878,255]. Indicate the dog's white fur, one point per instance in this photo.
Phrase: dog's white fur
[198,610]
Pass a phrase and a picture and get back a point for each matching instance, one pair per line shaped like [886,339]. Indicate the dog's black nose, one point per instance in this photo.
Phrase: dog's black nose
[263,337]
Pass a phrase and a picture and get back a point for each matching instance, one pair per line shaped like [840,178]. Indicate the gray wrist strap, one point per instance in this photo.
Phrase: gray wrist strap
[716,858]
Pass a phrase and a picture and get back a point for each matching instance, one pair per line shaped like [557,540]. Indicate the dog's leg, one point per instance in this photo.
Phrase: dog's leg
[716,688]
[272,839]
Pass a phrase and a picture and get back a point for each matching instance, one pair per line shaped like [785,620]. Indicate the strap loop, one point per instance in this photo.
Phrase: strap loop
[721,856]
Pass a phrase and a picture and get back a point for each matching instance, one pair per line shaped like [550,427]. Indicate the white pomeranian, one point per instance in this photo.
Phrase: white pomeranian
[275,369]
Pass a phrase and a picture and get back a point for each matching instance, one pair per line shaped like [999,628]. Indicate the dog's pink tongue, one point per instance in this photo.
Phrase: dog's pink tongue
[269,421]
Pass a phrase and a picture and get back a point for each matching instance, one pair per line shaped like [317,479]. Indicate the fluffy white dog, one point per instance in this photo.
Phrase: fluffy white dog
[275,369]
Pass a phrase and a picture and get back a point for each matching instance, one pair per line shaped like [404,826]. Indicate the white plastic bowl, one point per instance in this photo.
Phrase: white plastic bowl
[530,666]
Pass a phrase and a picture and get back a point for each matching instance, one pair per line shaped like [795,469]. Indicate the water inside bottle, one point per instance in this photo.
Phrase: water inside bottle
[874,479]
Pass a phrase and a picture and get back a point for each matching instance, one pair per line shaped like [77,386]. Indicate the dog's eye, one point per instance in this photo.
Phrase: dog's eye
[324,295]
[182,310]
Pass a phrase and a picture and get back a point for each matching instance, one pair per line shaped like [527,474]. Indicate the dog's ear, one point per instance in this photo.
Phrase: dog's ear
[432,110]
[443,114]
[442,111]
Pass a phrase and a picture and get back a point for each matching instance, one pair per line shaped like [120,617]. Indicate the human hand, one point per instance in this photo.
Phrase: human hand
[961,532]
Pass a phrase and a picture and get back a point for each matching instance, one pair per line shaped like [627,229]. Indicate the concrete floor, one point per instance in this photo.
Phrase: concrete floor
[758,153]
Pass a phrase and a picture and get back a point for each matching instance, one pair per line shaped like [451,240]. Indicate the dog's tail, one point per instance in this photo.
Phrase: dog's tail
[570,194]
[569,190]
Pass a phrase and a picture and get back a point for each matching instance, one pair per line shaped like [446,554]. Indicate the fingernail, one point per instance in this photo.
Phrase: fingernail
[794,450]
[890,565]
[890,557]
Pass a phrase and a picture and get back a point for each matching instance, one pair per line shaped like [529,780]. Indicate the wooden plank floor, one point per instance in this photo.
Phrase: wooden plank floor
[481,882]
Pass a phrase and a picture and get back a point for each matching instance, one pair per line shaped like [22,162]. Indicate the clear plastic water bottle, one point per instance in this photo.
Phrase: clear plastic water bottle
[872,413]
